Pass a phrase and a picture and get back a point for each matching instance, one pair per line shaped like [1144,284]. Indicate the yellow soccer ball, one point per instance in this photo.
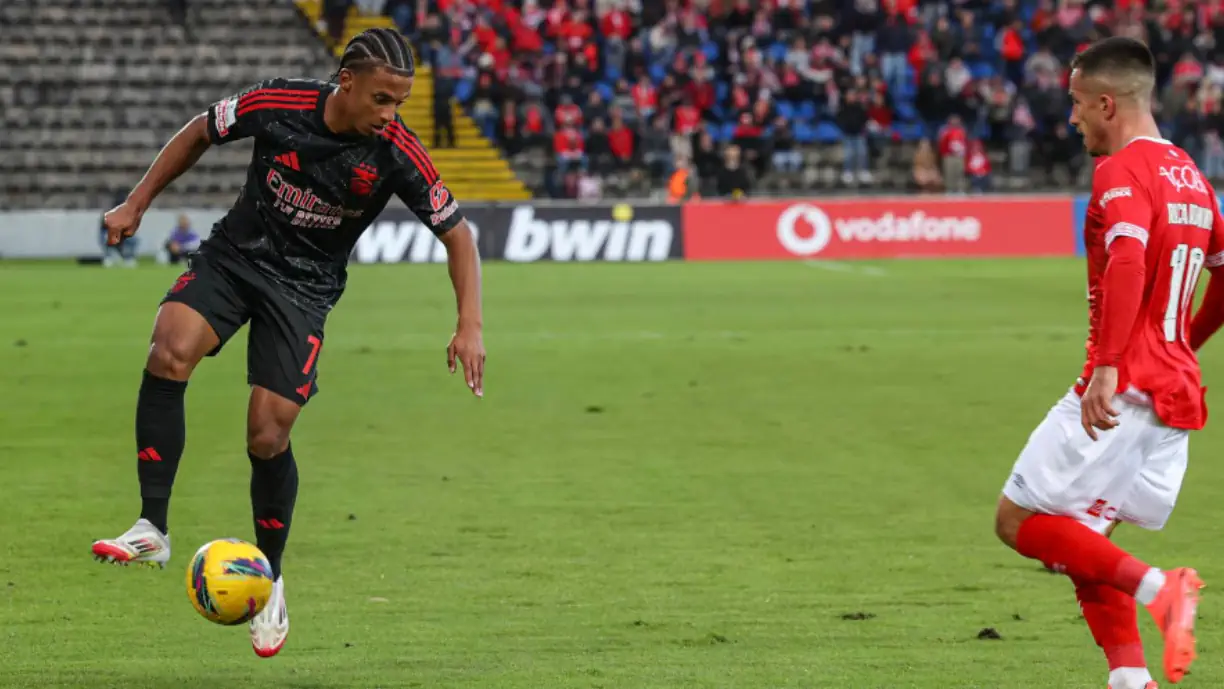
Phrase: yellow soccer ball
[229,581]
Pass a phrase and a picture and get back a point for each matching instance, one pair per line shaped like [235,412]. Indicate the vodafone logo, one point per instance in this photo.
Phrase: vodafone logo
[806,230]
[816,233]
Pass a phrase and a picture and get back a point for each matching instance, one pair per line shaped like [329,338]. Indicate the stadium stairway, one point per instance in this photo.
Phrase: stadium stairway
[475,169]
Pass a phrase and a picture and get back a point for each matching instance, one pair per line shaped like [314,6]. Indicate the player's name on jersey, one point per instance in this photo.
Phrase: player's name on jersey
[1191,214]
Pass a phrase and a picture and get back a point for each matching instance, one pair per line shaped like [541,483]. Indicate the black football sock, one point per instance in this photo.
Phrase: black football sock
[274,487]
[161,430]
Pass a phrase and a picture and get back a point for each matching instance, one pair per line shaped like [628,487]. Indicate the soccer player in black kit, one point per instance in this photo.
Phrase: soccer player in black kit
[327,158]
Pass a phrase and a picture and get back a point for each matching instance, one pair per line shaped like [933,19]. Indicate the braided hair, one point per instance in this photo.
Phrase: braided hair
[378,47]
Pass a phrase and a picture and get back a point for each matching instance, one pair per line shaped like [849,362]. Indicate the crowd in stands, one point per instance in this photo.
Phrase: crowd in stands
[720,97]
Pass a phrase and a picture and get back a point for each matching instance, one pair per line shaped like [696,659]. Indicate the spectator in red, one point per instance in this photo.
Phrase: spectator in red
[616,22]
[568,114]
[687,118]
[485,34]
[575,32]
[922,53]
[525,39]
[879,118]
[645,98]
[535,126]
[907,9]
[555,18]
[977,166]
[1043,18]
[1187,70]
[501,57]
[621,139]
[568,145]
[1012,51]
[749,136]
[953,145]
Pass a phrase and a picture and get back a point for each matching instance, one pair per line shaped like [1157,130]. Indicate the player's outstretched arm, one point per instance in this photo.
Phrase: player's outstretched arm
[179,154]
[467,344]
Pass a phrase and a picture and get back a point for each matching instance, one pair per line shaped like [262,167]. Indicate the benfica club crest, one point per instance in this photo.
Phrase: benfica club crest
[364,176]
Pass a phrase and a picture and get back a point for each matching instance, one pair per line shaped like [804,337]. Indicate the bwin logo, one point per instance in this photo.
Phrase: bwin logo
[531,239]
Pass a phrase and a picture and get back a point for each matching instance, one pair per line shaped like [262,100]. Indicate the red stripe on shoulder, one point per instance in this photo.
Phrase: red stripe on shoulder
[279,99]
[400,136]
[408,144]
[275,106]
[280,93]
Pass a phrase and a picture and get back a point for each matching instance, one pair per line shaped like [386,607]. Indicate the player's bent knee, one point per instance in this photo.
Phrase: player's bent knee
[1008,518]
[171,359]
[181,337]
[270,418]
[267,441]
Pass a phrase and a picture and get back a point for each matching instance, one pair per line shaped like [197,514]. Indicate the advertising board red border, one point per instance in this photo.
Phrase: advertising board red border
[895,227]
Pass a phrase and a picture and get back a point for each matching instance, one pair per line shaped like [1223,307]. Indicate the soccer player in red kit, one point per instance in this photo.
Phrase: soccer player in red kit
[1114,449]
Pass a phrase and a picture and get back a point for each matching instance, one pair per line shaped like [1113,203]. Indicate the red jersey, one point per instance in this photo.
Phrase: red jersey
[1150,210]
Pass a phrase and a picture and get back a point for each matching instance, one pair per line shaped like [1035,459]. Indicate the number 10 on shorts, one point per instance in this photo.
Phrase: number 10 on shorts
[1187,264]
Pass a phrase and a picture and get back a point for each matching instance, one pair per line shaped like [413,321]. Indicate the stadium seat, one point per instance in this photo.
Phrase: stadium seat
[121,80]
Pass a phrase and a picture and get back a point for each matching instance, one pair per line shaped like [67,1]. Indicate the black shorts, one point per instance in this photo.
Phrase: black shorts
[284,339]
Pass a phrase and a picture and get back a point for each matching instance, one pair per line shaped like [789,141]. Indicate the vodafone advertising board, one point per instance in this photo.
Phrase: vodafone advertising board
[879,228]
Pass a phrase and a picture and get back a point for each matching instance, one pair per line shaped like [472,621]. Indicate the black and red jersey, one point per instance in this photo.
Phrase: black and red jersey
[311,192]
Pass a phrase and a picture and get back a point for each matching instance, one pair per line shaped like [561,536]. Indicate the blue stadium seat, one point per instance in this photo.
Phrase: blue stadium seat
[786,109]
[827,133]
[910,131]
[807,110]
[804,133]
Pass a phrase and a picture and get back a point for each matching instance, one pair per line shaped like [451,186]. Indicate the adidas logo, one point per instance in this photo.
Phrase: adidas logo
[289,160]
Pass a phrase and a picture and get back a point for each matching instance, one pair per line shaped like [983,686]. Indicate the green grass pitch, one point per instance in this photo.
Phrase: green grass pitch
[748,476]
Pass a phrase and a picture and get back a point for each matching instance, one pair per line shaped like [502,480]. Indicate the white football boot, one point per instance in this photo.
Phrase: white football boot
[270,627]
[143,544]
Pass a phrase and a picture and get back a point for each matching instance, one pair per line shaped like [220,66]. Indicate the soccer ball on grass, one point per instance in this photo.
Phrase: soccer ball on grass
[229,581]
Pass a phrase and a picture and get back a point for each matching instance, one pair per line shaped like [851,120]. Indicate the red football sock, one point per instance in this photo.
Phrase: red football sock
[1110,615]
[1065,545]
